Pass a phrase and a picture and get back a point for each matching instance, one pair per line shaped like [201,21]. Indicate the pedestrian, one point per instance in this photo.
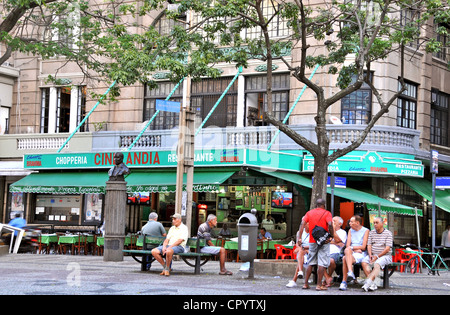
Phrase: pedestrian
[318,255]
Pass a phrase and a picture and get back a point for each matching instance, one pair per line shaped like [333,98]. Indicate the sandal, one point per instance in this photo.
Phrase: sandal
[305,287]
[321,288]
[225,273]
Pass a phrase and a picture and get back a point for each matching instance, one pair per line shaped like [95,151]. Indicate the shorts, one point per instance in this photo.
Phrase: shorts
[213,250]
[337,257]
[359,257]
[319,255]
[382,261]
[176,249]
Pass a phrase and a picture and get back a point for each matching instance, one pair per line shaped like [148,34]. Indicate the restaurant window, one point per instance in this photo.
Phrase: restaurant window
[204,95]
[407,106]
[440,116]
[256,96]
[93,206]
[57,208]
[164,120]
[356,107]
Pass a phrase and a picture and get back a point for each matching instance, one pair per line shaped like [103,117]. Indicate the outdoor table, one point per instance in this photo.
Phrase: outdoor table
[48,240]
[73,240]
[101,241]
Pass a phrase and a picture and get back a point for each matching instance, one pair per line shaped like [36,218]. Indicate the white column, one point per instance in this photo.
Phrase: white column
[52,110]
[73,109]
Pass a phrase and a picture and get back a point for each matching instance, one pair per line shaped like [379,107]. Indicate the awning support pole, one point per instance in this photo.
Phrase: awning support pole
[292,108]
[87,116]
[218,101]
[153,117]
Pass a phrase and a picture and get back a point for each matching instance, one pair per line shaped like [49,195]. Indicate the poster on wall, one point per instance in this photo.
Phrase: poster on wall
[17,204]
[93,204]
[374,214]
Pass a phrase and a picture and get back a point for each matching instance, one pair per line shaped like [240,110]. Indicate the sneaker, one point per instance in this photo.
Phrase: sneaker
[291,284]
[300,274]
[343,286]
[367,285]
[350,276]
[373,287]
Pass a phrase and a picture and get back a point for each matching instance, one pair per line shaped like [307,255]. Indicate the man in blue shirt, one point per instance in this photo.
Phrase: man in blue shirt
[18,222]
[264,235]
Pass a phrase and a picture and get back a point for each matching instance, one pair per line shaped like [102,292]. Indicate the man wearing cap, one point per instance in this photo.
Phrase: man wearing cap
[174,243]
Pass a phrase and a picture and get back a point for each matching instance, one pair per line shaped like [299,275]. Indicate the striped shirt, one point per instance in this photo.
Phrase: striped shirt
[379,241]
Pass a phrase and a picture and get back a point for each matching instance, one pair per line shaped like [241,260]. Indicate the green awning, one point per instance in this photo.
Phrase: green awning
[95,182]
[424,188]
[165,181]
[62,183]
[370,200]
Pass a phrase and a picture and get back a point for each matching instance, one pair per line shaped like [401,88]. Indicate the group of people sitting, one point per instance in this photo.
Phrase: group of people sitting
[370,248]
[176,239]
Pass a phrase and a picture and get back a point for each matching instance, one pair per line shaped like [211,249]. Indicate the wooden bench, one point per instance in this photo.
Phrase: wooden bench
[149,243]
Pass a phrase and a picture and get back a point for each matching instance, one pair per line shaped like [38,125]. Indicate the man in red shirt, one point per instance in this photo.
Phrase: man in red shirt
[318,255]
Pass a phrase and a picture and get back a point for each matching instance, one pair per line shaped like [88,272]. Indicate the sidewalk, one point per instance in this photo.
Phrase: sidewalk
[32,274]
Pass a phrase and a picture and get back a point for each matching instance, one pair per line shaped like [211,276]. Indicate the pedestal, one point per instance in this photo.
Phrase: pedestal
[115,207]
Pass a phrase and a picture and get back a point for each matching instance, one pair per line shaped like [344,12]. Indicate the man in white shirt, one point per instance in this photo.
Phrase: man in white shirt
[174,243]
[336,244]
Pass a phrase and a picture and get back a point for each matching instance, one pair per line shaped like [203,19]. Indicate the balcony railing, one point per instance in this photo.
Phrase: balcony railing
[382,138]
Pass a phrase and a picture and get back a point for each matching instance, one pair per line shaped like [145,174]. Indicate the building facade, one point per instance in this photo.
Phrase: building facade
[247,161]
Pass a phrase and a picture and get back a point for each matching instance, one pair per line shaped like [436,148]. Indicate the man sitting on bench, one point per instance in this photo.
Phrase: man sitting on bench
[174,243]
[379,253]
[204,232]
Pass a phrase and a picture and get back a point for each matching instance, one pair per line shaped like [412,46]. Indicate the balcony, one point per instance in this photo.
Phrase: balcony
[381,138]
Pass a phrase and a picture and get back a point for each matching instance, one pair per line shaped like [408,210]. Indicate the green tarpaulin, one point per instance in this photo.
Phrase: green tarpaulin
[95,182]
[370,200]
[424,188]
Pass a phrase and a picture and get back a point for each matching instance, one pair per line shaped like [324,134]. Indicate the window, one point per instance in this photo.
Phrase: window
[164,120]
[57,108]
[165,26]
[409,21]
[58,208]
[444,52]
[45,107]
[440,116]
[356,107]
[204,95]
[256,97]
[277,27]
[407,106]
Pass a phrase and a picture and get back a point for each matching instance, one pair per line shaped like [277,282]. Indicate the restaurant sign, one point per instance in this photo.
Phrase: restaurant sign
[165,159]
[371,162]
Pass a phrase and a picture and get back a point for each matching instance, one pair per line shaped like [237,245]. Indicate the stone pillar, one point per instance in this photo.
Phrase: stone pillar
[115,207]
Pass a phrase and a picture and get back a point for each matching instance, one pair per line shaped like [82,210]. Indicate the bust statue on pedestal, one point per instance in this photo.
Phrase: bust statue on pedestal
[119,170]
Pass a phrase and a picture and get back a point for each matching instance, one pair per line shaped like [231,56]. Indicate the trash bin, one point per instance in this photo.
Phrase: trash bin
[247,236]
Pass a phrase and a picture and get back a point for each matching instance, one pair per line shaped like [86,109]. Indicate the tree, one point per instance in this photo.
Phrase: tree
[367,32]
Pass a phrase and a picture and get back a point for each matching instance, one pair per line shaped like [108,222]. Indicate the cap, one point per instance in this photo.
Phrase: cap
[176,216]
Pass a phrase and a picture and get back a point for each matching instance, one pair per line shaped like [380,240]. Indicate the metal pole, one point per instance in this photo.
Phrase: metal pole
[418,234]
[433,215]
[87,116]
[332,193]
[153,117]
[218,101]
[293,106]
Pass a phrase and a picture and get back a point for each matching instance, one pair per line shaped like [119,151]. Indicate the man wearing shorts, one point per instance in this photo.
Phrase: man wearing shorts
[204,232]
[379,253]
[174,243]
[355,251]
[318,255]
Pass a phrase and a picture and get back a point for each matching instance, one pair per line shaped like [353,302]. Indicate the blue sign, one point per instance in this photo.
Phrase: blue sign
[340,182]
[443,182]
[168,106]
